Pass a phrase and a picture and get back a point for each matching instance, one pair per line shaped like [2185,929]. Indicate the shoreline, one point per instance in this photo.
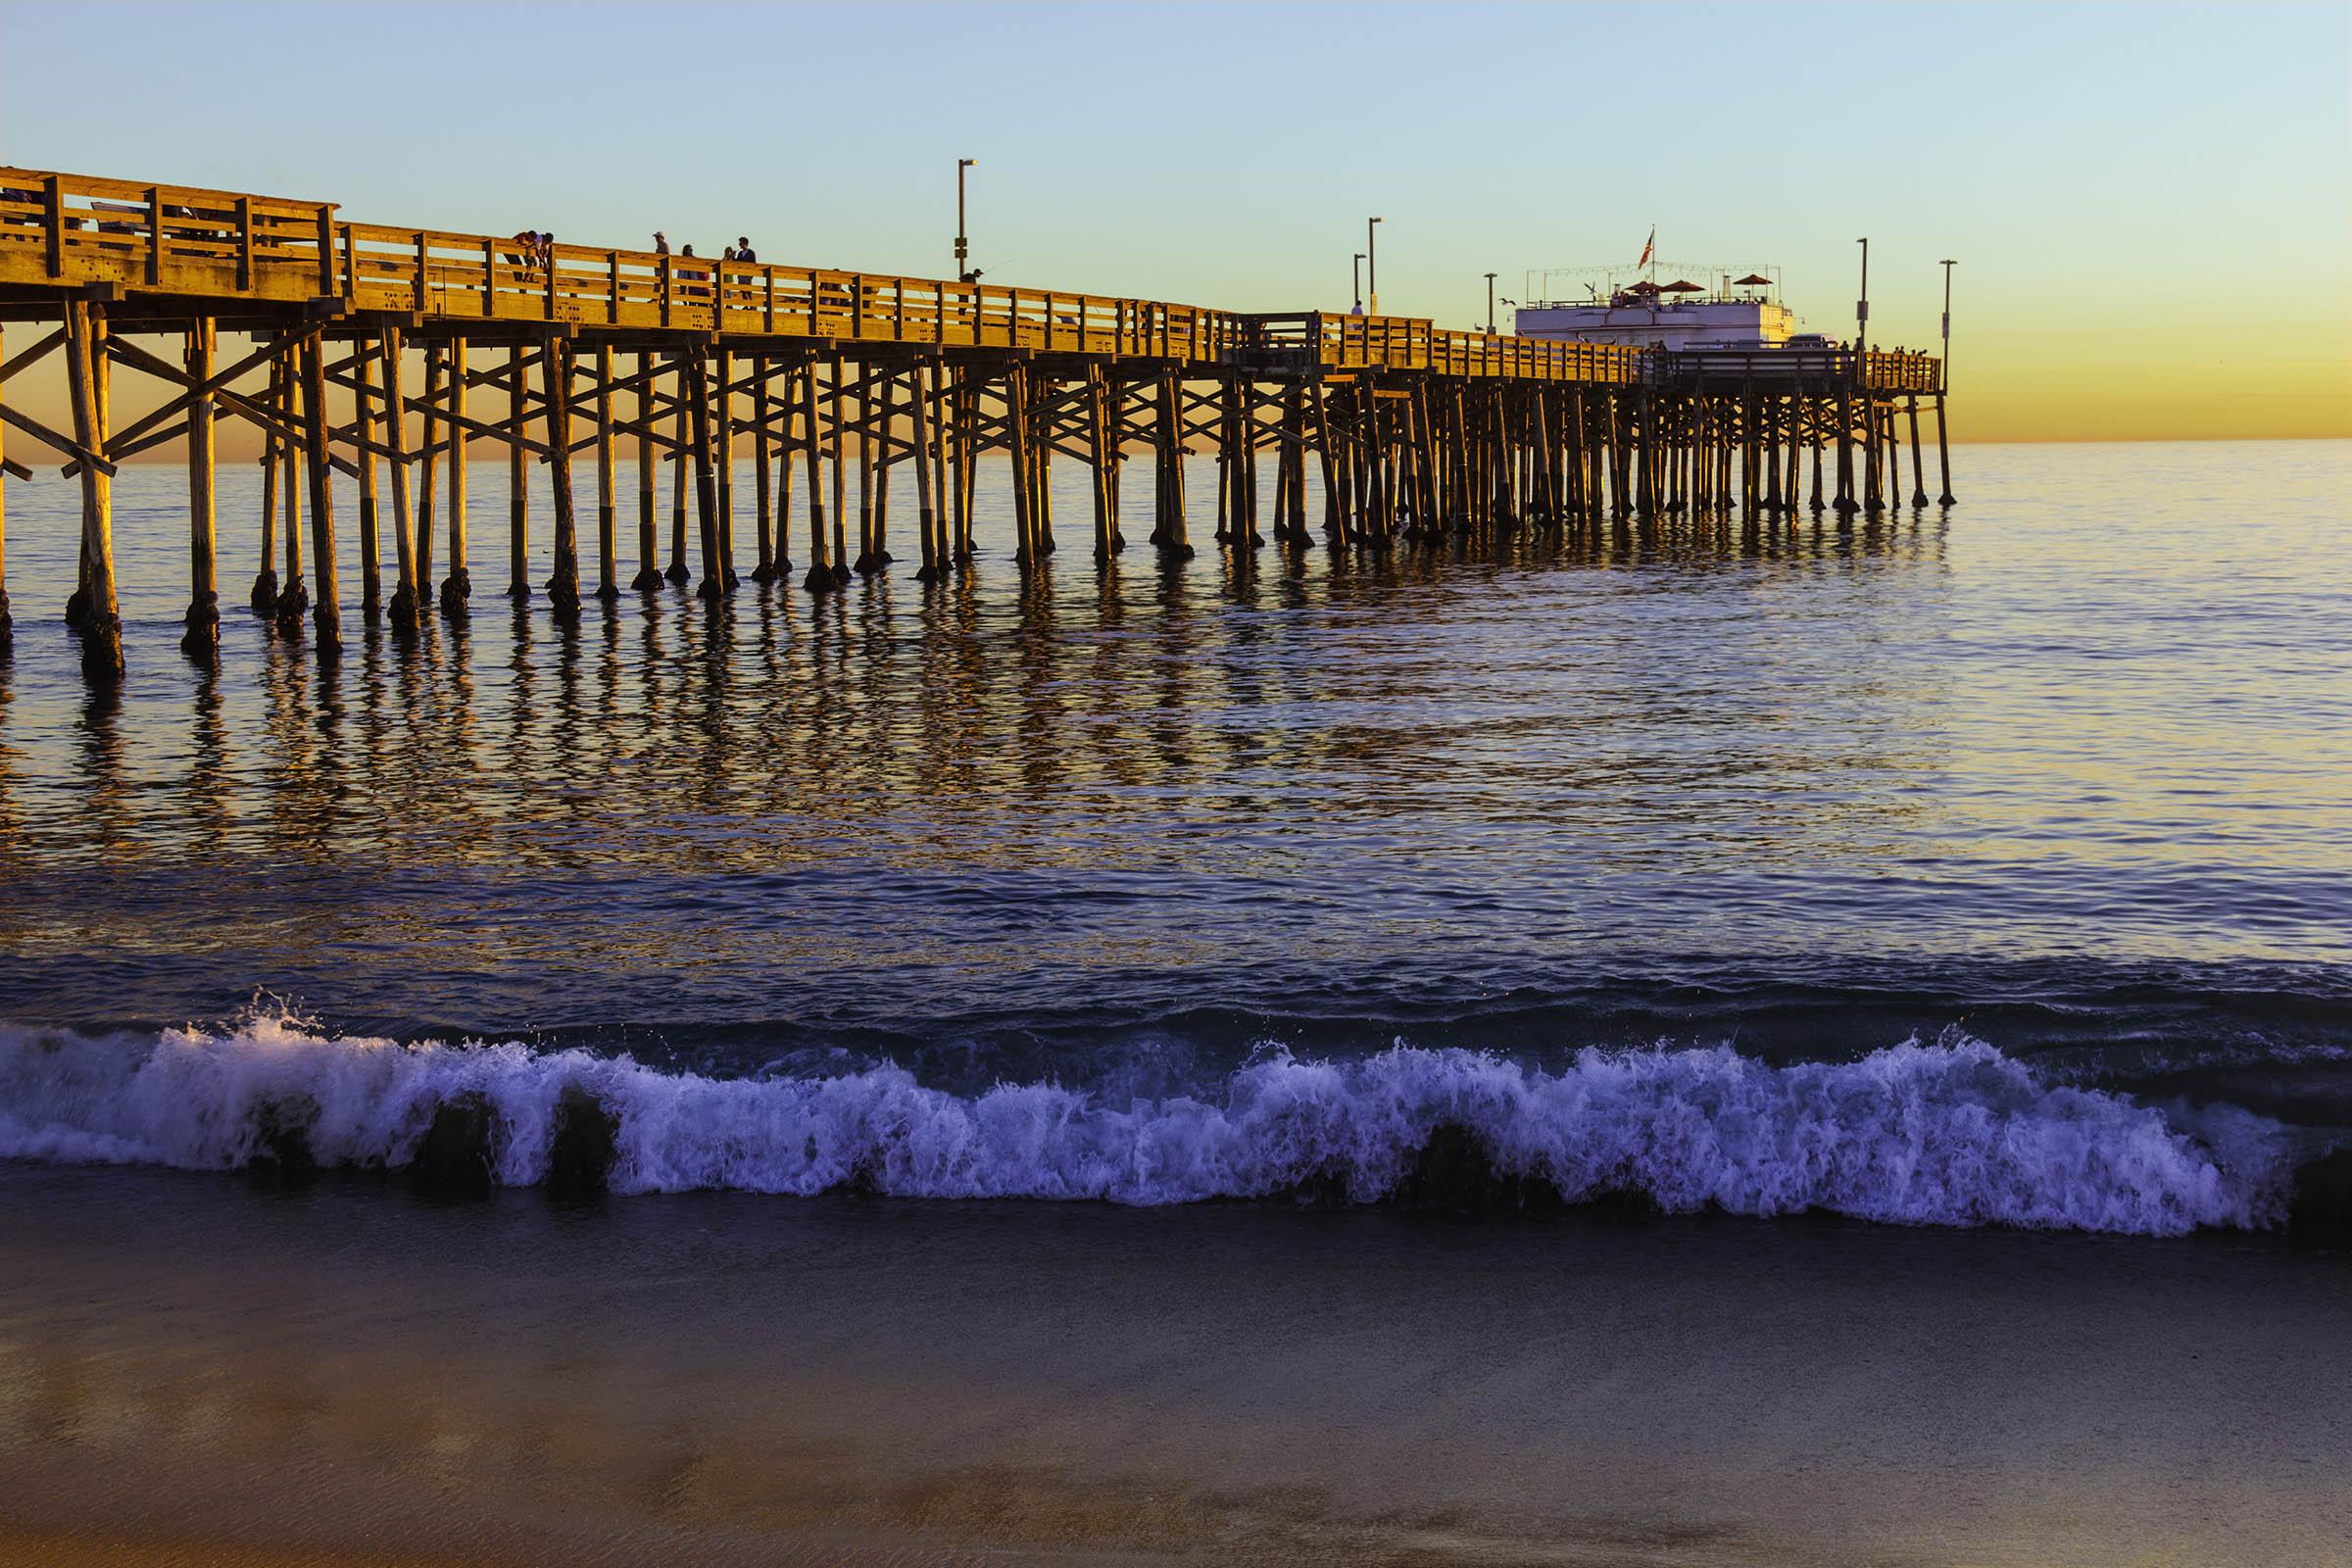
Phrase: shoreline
[736,1378]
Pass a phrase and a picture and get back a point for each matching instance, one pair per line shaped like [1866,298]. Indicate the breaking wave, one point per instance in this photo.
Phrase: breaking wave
[1950,1133]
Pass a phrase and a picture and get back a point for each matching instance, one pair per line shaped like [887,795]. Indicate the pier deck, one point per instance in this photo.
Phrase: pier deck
[1414,428]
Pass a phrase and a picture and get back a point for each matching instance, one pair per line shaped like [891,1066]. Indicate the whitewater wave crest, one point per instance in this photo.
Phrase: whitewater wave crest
[1948,1133]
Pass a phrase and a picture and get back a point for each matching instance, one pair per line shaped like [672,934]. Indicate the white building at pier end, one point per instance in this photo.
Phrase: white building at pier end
[1719,312]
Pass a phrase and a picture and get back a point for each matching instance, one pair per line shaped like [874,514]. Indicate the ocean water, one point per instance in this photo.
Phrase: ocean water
[1981,867]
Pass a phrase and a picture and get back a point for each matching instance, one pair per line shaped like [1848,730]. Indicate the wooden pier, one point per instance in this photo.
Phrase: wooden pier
[1413,431]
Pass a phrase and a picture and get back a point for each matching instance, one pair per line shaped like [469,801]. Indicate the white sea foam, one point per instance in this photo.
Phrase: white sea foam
[1952,1132]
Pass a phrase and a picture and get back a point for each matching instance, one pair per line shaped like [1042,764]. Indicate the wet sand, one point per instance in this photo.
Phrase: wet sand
[195,1372]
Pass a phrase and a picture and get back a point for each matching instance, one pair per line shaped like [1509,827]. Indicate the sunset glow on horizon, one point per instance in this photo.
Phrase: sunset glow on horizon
[2151,206]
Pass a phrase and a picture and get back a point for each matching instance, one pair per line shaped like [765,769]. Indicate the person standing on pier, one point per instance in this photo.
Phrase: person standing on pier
[661,243]
[742,249]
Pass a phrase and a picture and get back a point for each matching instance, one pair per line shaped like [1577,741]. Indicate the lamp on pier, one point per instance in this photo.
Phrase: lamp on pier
[1945,369]
[1357,271]
[963,247]
[1862,305]
[1372,263]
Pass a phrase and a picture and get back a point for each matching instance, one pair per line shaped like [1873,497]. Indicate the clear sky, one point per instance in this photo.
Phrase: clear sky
[2151,204]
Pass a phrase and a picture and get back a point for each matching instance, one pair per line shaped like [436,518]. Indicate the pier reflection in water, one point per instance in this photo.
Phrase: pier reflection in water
[1329,784]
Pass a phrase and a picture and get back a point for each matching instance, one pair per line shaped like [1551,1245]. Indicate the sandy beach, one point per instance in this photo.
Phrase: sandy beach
[197,1372]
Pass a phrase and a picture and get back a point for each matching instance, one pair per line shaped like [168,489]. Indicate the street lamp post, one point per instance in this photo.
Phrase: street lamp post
[963,247]
[1357,270]
[1944,377]
[1862,305]
[1870,404]
[1490,304]
[1943,381]
[1372,264]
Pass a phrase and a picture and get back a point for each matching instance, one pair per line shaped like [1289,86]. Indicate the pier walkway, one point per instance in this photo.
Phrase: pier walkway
[1413,430]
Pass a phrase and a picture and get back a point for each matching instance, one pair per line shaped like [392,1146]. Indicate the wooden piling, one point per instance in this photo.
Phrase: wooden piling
[1813,416]
[681,463]
[926,510]
[763,493]
[607,543]
[1177,541]
[1024,467]
[966,462]
[1872,474]
[1041,451]
[202,637]
[1327,445]
[787,412]
[820,570]
[862,445]
[564,588]
[722,460]
[868,558]
[428,478]
[933,388]
[406,597]
[518,472]
[1894,453]
[367,423]
[1846,504]
[458,586]
[102,625]
[705,482]
[1226,439]
[1943,459]
[1919,478]
[649,536]
[293,594]
[326,616]
[837,454]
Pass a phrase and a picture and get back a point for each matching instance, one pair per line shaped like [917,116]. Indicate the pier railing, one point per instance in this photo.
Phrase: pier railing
[75,230]
[1721,369]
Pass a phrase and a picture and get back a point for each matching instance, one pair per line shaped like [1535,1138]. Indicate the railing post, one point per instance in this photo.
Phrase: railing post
[423,277]
[351,264]
[898,311]
[547,287]
[666,290]
[155,236]
[244,244]
[489,278]
[326,248]
[769,275]
[611,301]
[53,224]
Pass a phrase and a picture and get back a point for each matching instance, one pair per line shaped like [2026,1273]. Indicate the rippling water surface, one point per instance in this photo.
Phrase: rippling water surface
[934,885]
